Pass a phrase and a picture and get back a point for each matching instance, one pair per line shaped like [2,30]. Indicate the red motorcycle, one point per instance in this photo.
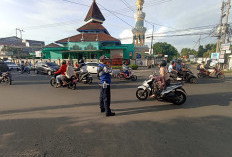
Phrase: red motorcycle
[123,75]
[218,74]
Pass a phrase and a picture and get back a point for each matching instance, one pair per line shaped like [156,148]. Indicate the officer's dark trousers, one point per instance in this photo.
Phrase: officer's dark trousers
[105,99]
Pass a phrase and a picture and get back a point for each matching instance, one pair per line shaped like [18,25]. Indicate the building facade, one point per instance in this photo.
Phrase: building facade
[93,41]
[18,47]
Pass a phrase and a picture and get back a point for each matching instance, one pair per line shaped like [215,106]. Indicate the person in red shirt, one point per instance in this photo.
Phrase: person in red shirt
[61,73]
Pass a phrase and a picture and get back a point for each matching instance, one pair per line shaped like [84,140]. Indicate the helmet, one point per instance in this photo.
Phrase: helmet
[163,63]
[123,62]
[63,62]
[102,57]
[82,61]
[179,61]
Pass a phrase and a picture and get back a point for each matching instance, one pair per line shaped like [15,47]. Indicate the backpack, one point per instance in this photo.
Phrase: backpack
[199,67]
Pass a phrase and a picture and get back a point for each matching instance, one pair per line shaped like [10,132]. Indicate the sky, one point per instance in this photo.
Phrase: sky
[52,20]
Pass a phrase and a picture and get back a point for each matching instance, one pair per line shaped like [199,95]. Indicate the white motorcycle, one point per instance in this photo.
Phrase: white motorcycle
[174,93]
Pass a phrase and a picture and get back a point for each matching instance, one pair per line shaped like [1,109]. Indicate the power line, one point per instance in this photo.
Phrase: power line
[116,15]
[127,5]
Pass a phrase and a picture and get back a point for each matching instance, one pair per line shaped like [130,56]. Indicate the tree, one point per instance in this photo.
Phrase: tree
[165,49]
[201,51]
[188,51]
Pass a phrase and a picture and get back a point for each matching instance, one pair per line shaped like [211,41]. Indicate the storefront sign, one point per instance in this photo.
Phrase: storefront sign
[225,47]
[223,52]
[228,52]
[222,56]
[215,56]
[221,60]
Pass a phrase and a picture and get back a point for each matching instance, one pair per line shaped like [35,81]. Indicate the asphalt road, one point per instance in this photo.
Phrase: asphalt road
[37,120]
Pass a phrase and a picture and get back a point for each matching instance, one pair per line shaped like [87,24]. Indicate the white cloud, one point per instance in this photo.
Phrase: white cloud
[126,36]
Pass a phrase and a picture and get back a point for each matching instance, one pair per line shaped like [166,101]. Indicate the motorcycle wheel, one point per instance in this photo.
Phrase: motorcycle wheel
[89,80]
[8,81]
[199,75]
[36,71]
[194,80]
[134,78]
[72,86]
[221,77]
[53,82]
[118,76]
[180,98]
[141,94]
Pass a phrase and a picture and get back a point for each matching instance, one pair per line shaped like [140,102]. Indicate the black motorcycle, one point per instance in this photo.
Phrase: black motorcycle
[71,83]
[86,78]
[5,78]
[189,78]
[174,93]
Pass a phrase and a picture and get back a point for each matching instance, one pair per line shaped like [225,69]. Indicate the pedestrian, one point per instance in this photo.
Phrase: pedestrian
[105,81]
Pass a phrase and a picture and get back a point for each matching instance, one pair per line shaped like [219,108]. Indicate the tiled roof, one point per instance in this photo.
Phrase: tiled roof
[94,13]
[89,37]
[52,45]
[92,26]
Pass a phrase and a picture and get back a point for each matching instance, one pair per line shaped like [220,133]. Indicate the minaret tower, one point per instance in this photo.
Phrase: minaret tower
[139,30]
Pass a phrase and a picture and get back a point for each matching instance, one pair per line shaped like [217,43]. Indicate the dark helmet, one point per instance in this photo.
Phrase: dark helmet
[63,62]
[82,61]
[179,61]
[163,63]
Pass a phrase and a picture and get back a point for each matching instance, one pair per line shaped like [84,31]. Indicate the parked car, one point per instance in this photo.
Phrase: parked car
[12,66]
[92,67]
[46,68]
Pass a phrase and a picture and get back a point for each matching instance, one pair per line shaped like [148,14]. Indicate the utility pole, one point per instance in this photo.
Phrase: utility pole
[152,38]
[199,44]
[21,37]
[220,27]
[225,30]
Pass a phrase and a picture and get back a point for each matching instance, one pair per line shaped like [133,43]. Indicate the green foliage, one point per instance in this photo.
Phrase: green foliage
[165,49]
[206,50]
[116,67]
[188,51]
[134,66]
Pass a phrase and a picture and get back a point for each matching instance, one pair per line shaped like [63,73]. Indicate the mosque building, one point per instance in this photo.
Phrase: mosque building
[93,41]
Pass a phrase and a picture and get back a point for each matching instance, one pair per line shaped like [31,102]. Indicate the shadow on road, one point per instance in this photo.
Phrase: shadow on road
[59,137]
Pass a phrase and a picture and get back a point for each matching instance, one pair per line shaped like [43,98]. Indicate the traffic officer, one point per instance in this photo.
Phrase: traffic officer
[105,81]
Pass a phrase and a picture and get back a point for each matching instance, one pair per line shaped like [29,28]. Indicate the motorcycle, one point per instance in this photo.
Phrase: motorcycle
[25,69]
[71,83]
[174,93]
[123,75]
[190,78]
[86,78]
[218,74]
[6,78]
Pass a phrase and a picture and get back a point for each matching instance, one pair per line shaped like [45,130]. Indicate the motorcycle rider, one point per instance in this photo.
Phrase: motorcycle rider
[164,74]
[69,73]
[125,68]
[61,73]
[184,70]
[105,81]
[3,68]
[82,68]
